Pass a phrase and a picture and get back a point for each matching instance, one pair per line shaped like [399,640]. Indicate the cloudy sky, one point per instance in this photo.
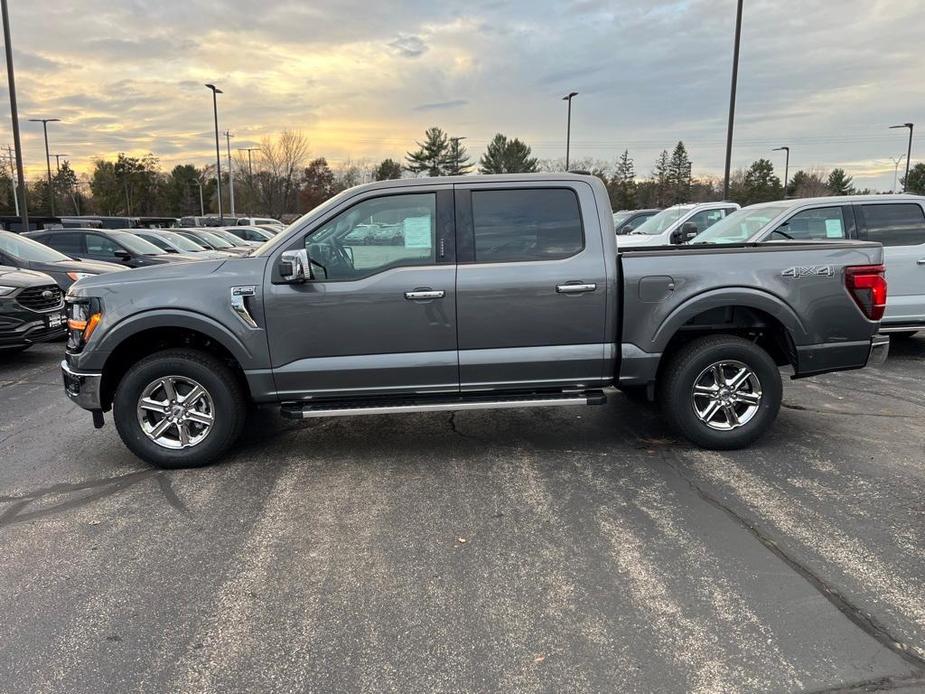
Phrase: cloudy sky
[362,79]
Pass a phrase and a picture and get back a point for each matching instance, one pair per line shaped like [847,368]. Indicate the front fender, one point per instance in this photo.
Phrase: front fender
[720,298]
[94,359]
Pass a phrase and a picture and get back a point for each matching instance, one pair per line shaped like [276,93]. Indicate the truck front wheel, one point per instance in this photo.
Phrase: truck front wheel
[721,391]
[179,408]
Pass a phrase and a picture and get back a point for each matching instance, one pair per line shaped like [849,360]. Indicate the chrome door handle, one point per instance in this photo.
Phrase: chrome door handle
[575,288]
[920,261]
[423,295]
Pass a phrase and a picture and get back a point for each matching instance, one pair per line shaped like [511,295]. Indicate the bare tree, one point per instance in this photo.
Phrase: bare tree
[278,178]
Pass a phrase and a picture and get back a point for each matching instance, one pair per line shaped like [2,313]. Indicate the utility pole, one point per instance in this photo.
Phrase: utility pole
[786,165]
[908,152]
[732,99]
[568,126]
[218,155]
[13,178]
[250,164]
[228,137]
[51,189]
[14,115]
[57,157]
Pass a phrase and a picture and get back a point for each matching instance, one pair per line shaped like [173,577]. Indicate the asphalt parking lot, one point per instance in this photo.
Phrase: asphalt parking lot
[536,550]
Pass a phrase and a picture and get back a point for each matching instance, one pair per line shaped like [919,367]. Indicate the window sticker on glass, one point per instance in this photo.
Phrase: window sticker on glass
[833,229]
[416,231]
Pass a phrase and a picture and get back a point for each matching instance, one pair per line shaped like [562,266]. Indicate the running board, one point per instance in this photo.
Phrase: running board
[299,410]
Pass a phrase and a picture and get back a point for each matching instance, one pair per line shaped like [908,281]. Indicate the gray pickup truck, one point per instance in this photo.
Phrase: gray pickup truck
[462,293]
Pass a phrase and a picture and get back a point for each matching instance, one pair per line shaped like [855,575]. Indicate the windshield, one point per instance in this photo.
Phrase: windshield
[211,239]
[620,217]
[28,249]
[660,222]
[229,237]
[136,245]
[741,225]
[181,242]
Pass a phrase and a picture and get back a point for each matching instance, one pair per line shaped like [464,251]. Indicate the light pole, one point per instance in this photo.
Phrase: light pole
[455,141]
[568,125]
[14,115]
[228,137]
[896,162]
[786,165]
[732,98]
[908,152]
[45,122]
[218,156]
[250,164]
[57,157]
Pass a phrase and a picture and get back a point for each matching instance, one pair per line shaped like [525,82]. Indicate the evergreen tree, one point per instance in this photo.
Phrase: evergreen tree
[679,174]
[622,186]
[387,170]
[317,184]
[458,162]
[916,184]
[506,156]
[840,183]
[760,183]
[431,158]
[660,176]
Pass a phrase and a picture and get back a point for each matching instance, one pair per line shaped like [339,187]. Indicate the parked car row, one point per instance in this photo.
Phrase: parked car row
[54,258]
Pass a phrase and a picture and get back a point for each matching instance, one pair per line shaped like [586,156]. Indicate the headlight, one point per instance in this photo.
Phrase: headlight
[83,317]
[79,275]
[7,290]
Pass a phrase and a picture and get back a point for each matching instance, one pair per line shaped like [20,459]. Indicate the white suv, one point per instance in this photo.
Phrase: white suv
[677,224]
[896,221]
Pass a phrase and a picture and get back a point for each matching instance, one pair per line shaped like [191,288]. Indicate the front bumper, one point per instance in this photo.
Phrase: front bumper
[879,350]
[82,388]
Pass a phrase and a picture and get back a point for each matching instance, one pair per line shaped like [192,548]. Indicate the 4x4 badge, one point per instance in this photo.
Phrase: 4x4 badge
[799,271]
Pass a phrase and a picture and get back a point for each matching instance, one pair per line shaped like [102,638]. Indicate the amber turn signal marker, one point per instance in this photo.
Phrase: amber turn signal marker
[91,325]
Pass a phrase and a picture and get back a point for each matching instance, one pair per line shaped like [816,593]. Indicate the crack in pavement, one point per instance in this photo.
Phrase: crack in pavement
[18,511]
[863,620]
[452,422]
[816,410]
[881,684]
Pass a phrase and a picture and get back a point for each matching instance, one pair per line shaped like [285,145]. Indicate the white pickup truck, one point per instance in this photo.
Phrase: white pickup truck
[677,224]
[896,221]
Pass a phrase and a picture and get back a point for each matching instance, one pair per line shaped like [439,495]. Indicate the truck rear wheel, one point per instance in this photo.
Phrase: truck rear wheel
[179,408]
[721,391]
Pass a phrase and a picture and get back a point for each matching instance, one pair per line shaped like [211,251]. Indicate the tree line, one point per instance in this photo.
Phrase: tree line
[284,181]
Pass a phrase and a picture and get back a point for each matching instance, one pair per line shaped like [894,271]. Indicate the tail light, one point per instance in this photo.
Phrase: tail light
[867,285]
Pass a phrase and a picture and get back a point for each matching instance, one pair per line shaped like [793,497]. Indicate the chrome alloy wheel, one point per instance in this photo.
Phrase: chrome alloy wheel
[726,395]
[175,412]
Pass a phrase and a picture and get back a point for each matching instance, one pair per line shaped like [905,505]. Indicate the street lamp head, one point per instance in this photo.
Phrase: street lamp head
[569,97]
[44,120]
[904,125]
[781,149]
[215,89]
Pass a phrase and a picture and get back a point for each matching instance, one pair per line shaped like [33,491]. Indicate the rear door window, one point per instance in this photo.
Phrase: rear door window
[69,244]
[895,224]
[524,225]
[101,246]
[816,224]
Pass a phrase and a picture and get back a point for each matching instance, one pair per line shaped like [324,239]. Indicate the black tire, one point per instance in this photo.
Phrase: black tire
[228,399]
[680,374]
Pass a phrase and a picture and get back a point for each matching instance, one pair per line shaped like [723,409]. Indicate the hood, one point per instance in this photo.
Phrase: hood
[96,267]
[640,240]
[178,257]
[154,273]
[14,277]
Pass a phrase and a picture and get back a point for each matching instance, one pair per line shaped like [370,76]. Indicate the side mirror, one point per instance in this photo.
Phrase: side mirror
[688,231]
[625,229]
[122,254]
[295,267]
